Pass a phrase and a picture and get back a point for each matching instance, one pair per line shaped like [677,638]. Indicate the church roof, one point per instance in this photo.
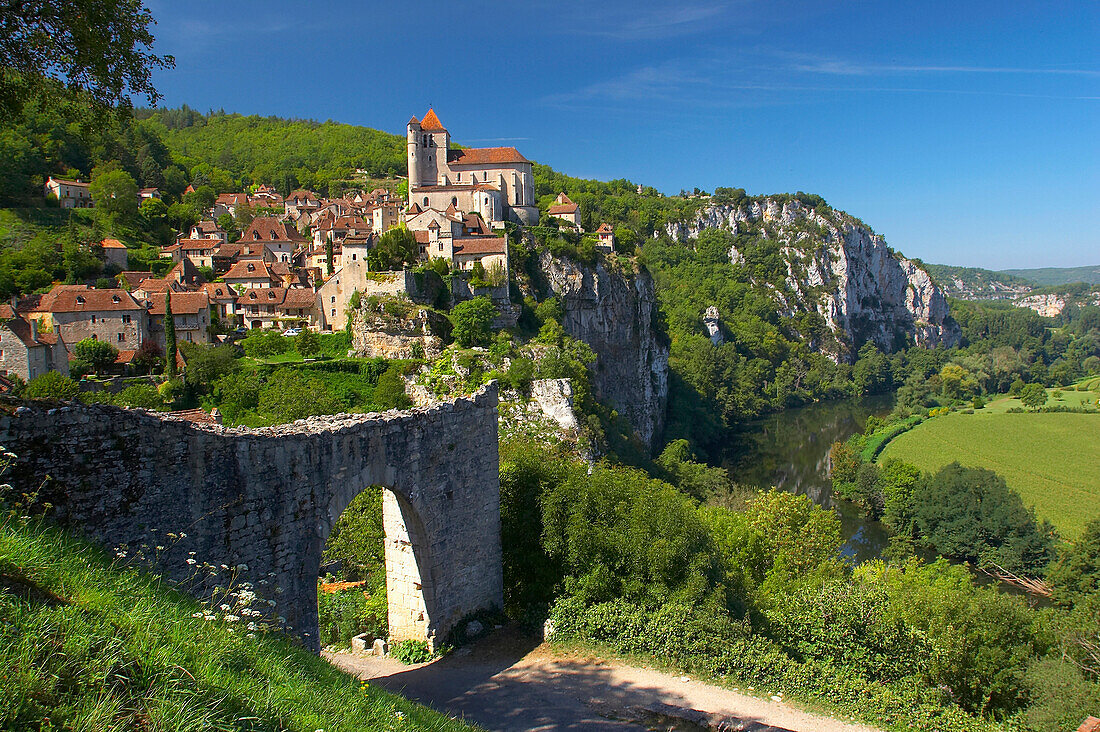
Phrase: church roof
[431,123]
[414,121]
[485,156]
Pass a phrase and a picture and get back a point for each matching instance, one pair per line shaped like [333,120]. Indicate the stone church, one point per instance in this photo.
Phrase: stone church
[495,182]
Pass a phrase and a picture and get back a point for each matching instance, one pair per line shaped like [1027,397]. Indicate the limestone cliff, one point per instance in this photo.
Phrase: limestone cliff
[839,268]
[613,312]
[404,332]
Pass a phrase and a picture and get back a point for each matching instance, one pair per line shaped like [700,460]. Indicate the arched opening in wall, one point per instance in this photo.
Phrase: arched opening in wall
[374,578]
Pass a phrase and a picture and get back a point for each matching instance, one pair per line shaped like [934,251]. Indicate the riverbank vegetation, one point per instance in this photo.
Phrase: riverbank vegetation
[758,597]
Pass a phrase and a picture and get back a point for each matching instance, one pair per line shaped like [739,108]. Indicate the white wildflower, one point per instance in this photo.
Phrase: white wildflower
[197,615]
[232,618]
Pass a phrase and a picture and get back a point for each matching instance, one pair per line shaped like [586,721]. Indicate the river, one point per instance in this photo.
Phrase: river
[789,450]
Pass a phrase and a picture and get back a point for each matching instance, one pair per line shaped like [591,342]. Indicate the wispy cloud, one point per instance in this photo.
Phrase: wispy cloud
[842,67]
[711,82]
[646,23]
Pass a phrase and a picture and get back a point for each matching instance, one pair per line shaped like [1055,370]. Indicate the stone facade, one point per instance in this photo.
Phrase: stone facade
[265,500]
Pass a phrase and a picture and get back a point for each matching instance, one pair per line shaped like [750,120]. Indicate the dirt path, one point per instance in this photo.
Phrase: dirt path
[509,684]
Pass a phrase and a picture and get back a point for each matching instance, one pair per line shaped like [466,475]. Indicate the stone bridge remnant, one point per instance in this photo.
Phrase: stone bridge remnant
[263,501]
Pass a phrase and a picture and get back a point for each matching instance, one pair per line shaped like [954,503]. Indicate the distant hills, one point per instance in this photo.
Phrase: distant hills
[975,283]
[1047,276]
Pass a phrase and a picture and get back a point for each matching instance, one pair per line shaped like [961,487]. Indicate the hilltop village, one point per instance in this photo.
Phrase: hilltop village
[263,261]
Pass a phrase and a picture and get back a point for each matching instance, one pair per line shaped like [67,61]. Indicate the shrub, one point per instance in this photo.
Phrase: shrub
[472,320]
[51,385]
[307,343]
[345,614]
[411,651]
[144,396]
[99,354]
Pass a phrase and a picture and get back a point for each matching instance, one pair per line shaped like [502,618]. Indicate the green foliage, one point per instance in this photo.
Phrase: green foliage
[170,347]
[970,514]
[206,364]
[51,385]
[344,614]
[98,354]
[265,344]
[144,396]
[472,320]
[1033,396]
[307,343]
[288,395]
[396,248]
[411,651]
[1076,570]
[356,541]
[109,647]
[697,479]
[115,192]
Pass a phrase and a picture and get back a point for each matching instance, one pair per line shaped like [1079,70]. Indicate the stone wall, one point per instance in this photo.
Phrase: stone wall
[265,500]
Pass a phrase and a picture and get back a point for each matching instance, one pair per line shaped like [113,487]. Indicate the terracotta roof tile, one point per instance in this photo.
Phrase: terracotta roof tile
[66,299]
[112,244]
[431,122]
[182,302]
[485,156]
[480,245]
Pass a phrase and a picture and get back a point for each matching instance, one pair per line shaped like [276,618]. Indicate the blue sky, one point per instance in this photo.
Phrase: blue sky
[966,132]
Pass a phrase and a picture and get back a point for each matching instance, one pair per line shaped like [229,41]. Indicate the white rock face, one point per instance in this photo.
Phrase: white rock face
[555,399]
[840,269]
[614,312]
[710,323]
[1047,306]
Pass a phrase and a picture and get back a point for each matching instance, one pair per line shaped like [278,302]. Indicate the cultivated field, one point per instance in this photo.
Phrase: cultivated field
[1052,459]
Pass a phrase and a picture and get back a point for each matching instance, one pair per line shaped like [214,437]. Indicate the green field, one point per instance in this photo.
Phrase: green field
[1051,459]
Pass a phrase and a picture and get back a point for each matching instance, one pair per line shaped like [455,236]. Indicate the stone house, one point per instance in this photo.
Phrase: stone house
[276,307]
[491,251]
[228,203]
[250,273]
[301,202]
[69,193]
[200,252]
[496,182]
[383,216]
[566,210]
[208,229]
[223,302]
[115,253]
[25,351]
[76,312]
[190,313]
[606,237]
[146,193]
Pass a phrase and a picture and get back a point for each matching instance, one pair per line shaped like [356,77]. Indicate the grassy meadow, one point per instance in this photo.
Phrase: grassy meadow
[1052,459]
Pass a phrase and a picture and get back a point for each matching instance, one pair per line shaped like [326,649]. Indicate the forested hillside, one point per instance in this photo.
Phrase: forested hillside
[1047,276]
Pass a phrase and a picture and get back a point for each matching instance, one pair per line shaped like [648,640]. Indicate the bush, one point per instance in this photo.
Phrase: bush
[345,614]
[265,344]
[51,385]
[144,396]
[472,320]
[307,343]
[411,651]
[99,354]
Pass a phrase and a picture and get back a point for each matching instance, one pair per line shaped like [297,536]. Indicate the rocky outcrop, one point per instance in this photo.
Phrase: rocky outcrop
[555,399]
[400,334]
[839,268]
[712,324]
[614,312]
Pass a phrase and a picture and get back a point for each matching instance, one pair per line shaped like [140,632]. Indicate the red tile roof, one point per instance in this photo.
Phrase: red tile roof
[112,244]
[605,229]
[480,245]
[81,298]
[431,123]
[241,271]
[563,208]
[133,278]
[193,244]
[182,303]
[485,156]
[264,226]
[196,416]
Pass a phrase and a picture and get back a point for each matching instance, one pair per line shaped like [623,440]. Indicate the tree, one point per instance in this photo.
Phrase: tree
[1076,571]
[971,514]
[330,257]
[1033,396]
[102,48]
[51,385]
[472,320]
[115,192]
[149,356]
[169,337]
[308,343]
[99,354]
[395,248]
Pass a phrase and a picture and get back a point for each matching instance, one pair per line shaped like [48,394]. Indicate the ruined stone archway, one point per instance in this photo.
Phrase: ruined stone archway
[267,499]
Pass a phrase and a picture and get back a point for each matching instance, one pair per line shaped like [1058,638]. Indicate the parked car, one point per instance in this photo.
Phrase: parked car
[292,332]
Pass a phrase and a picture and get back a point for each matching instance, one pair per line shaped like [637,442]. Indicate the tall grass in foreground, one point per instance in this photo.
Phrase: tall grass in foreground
[88,645]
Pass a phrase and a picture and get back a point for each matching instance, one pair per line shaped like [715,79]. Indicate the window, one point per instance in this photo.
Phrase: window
[95,337]
[121,337]
[93,320]
[1,352]
[333,299]
[126,318]
[334,312]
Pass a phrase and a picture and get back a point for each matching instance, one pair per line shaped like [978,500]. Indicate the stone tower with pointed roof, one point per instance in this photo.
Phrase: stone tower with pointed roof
[495,182]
